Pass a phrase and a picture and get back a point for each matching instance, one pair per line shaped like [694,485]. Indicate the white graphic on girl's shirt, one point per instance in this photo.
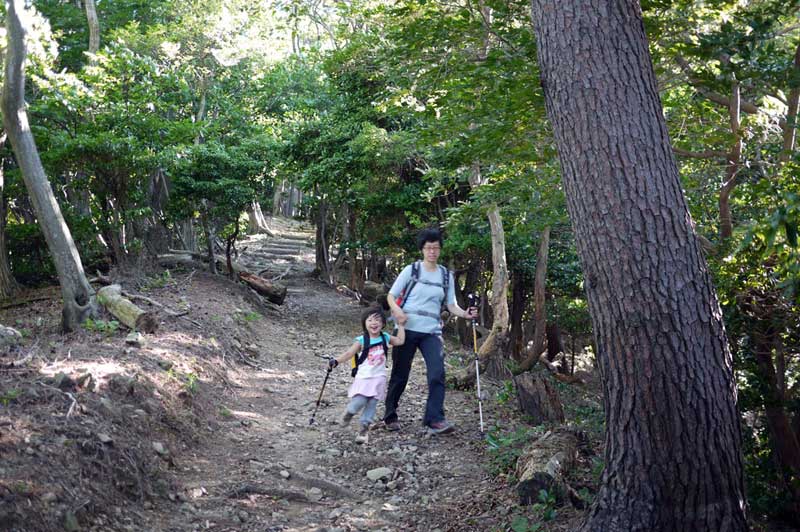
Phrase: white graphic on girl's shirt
[376,356]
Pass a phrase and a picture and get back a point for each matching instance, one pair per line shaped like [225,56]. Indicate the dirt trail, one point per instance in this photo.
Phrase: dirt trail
[263,467]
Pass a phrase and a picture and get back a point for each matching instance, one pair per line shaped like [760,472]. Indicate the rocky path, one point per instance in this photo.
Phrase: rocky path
[263,467]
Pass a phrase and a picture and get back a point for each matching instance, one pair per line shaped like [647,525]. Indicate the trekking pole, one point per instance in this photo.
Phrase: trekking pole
[327,374]
[471,298]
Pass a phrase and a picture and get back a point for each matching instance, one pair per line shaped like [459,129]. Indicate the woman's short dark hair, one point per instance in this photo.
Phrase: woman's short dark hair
[429,235]
[372,311]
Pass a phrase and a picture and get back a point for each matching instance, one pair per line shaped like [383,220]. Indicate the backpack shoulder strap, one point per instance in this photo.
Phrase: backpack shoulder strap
[364,349]
[445,282]
[410,286]
[359,359]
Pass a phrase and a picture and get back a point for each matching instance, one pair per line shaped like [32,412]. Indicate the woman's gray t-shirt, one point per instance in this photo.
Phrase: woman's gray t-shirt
[424,297]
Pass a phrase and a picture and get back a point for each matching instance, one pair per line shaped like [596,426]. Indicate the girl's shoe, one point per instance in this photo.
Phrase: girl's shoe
[362,438]
[347,417]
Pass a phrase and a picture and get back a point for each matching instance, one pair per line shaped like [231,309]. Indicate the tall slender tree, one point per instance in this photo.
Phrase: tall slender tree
[672,449]
[8,285]
[79,300]
[94,26]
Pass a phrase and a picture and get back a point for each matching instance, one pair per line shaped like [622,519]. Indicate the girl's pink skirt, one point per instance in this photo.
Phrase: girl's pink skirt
[371,387]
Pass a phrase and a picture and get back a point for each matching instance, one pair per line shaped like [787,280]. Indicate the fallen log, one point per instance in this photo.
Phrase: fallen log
[274,292]
[171,260]
[543,466]
[538,398]
[220,260]
[126,312]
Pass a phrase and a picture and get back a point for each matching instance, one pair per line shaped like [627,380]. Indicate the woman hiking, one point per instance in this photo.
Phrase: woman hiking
[416,299]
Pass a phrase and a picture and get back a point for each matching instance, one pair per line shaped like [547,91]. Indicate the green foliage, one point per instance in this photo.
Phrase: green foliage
[523,524]
[247,317]
[188,382]
[506,393]
[9,396]
[30,262]
[191,383]
[107,328]
[506,446]
[543,510]
[158,281]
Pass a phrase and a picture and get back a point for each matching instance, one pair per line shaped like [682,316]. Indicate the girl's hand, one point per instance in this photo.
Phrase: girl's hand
[332,363]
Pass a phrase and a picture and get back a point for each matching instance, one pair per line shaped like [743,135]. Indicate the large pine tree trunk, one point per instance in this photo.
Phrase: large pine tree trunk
[672,450]
[79,297]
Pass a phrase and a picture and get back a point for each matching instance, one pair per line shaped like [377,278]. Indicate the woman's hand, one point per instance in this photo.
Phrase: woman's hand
[471,313]
[400,317]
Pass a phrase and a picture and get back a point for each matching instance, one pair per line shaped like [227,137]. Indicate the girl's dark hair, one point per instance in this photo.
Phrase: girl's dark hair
[370,312]
[429,235]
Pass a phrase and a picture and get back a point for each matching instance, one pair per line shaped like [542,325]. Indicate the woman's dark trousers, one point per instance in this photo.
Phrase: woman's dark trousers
[402,358]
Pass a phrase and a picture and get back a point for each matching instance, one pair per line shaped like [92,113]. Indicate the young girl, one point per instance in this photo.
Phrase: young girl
[369,385]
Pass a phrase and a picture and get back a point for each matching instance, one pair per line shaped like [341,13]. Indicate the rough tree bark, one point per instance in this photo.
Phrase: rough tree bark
[79,297]
[672,450]
[539,314]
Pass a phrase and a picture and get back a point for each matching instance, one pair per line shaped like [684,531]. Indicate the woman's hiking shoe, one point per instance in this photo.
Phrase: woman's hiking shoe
[347,417]
[392,426]
[440,427]
[363,435]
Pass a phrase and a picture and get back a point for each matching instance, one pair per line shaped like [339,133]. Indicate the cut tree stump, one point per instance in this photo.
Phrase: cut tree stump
[126,312]
[274,292]
[543,465]
[538,398]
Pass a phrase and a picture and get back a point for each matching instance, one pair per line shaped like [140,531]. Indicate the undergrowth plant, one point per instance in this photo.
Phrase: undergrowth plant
[101,326]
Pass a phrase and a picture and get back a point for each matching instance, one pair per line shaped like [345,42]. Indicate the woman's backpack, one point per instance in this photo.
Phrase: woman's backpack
[406,292]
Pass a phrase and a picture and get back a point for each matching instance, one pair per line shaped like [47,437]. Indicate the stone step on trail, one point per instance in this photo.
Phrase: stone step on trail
[291,244]
[282,251]
[269,254]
